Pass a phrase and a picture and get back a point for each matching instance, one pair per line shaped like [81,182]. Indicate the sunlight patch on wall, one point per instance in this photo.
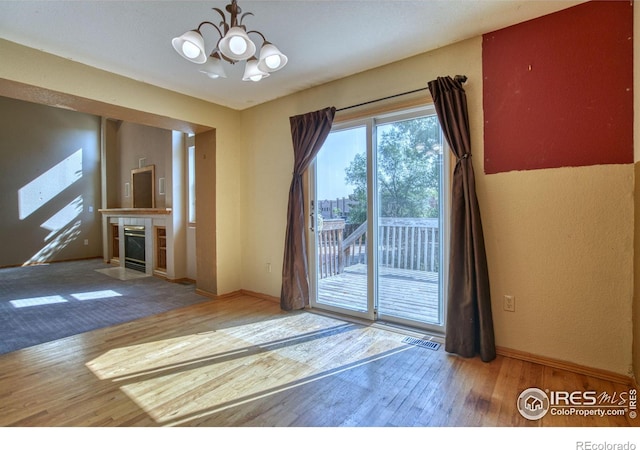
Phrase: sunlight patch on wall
[63,217]
[37,301]
[67,235]
[42,189]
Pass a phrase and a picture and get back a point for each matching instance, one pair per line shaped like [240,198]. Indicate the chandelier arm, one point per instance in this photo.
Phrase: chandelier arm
[213,25]
[229,60]
[224,23]
[242,18]
[264,39]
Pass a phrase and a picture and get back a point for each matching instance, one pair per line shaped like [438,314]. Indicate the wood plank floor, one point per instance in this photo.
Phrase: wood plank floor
[405,294]
[243,362]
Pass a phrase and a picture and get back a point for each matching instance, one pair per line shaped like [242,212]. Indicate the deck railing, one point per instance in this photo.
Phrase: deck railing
[330,245]
[403,243]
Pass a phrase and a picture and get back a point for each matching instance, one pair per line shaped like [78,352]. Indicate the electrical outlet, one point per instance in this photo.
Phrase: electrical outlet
[86,242]
[509,303]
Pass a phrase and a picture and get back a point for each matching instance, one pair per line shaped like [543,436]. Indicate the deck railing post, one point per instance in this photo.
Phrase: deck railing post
[340,250]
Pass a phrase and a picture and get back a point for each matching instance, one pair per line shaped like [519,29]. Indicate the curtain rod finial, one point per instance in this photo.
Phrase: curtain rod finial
[461,78]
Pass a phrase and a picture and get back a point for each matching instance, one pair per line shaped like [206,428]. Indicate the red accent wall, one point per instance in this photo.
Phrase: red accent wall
[558,90]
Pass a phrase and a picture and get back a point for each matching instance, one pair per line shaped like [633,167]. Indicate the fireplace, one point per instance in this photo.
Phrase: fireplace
[134,248]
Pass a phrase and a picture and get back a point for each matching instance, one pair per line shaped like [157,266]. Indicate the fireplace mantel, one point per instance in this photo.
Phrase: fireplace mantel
[135,211]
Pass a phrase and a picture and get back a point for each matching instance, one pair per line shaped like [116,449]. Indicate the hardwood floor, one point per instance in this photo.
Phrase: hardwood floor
[243,362]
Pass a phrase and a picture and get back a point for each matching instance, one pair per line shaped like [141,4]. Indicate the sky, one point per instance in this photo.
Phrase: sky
[337,152]
[335,156]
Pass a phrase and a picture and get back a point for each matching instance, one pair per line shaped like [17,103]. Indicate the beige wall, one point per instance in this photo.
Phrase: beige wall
[134,142]
[42,70]
[49,206]
[560,241]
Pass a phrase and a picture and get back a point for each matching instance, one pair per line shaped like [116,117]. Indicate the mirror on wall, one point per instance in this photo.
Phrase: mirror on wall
[142,182]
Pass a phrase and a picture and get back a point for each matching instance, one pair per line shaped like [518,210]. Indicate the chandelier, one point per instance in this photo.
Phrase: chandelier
[233,46]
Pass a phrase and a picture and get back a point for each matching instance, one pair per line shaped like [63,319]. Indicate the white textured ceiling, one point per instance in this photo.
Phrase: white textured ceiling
[324,40]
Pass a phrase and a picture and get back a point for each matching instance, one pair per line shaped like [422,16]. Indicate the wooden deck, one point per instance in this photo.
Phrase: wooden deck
[405,294]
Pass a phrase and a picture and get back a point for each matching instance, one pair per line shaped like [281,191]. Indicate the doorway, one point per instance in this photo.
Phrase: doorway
[378,205]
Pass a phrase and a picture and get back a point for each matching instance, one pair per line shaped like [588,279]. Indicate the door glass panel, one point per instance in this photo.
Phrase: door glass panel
[409,171]
[341,224]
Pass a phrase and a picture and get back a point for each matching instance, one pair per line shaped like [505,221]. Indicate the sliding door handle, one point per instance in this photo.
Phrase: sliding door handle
[312,223]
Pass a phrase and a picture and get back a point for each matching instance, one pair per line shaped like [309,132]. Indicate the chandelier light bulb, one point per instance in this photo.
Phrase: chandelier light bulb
[190,50]
[237,45]
[190,46]
[272,61]
[252,72]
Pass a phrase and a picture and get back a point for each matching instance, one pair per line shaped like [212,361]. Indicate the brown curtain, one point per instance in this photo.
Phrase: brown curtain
[469,328]
[308,133]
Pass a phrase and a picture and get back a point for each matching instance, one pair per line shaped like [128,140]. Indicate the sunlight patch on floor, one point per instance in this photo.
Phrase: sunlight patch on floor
[184,378]
[96,295]
[53,299]
[37,301]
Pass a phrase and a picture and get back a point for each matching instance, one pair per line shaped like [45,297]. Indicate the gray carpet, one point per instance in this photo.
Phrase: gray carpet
[48,302]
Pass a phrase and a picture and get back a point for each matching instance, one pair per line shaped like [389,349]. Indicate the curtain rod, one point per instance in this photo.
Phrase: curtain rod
[460,78]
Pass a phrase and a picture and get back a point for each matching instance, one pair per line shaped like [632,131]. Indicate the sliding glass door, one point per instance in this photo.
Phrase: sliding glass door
[378,205]
[341,269]
[409,198]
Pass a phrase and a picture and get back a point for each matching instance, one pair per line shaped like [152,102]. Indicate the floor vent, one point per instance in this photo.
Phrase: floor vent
[421,343]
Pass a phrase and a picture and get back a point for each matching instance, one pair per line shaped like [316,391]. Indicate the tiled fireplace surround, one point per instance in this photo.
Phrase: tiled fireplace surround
[150,219]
